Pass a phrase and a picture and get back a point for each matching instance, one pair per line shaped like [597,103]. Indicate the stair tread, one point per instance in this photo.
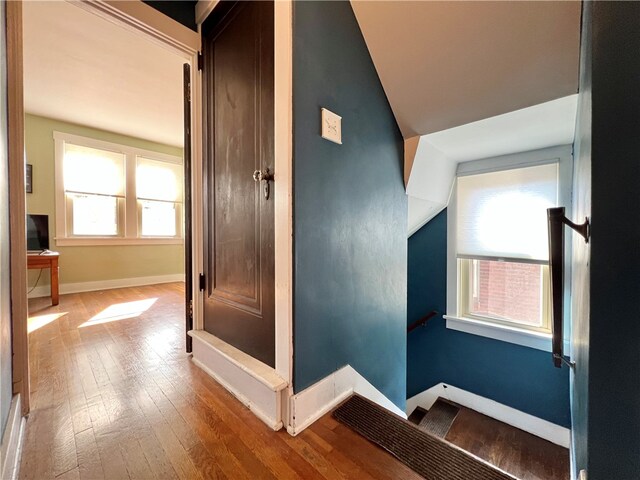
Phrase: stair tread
[417,415]
[439,418]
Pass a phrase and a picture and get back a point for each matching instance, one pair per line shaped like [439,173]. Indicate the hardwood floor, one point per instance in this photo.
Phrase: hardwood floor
[114,396]
[521,454]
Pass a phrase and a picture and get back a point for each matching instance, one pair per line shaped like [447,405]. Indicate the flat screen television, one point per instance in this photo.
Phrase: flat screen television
[37,232]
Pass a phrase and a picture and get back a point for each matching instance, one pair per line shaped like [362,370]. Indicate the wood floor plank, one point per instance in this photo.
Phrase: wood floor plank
[135,460]
[121,399]
[64,443]
[89,463]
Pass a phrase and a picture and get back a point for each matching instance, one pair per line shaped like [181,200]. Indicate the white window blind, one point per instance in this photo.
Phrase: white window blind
[89,170]
[503,215]
[159,192]
[157,180]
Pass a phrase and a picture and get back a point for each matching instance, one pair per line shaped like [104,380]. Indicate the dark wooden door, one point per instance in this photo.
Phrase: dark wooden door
[188,238]
[239,236]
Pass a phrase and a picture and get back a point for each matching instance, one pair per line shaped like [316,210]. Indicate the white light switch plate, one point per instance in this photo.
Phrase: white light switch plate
[331,126]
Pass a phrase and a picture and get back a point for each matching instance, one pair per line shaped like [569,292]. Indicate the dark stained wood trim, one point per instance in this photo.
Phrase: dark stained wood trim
[188,228]
[17,203]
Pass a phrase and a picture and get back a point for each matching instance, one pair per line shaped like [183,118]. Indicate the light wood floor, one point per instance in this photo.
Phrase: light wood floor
[121,399]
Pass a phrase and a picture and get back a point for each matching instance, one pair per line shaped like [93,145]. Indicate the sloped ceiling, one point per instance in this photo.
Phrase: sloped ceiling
[81,68]
[446,64]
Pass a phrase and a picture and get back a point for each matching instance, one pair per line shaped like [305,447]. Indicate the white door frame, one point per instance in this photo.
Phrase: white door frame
[142,19]
[157,27]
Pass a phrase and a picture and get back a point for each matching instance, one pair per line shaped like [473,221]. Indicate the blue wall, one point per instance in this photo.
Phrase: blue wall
[614,330]
[350,209]
[520,377]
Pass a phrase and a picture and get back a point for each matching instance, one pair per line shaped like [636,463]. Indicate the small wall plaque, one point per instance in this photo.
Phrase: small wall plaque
[331,126]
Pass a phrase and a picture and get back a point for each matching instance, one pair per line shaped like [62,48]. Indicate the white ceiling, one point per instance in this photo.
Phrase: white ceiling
[81,68]
[445,64]
[439,154]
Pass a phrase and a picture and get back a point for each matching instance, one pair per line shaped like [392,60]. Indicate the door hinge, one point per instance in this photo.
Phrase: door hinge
[200,61]
[191,309]
[203,281]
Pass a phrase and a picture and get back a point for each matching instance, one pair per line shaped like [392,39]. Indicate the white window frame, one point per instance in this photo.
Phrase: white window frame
[508,332]
[130,226]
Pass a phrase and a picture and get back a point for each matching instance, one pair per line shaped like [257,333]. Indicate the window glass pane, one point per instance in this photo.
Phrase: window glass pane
[507,291]
[158,219]
[504,214]
[89,170]
[159,180]
[95,215]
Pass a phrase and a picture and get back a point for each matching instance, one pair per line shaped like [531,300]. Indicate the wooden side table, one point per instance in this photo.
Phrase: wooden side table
[47,260]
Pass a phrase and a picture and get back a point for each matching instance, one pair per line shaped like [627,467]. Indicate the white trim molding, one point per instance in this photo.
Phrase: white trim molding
[65,288]
[313,402]
[138,16]
[283,195]
[516,418]
[255,384]
[203,9]
[505,333]
[11,448]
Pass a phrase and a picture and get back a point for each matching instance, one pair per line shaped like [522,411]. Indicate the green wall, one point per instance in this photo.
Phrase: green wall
[90,263]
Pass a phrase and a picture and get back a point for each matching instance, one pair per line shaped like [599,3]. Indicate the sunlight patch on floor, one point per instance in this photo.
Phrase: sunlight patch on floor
[120,311]
[39,321]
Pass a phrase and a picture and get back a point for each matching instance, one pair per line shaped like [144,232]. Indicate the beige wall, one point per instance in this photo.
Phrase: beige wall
[90,263]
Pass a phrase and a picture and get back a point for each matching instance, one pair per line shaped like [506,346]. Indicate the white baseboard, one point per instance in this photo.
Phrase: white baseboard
[534,425]
[255,384]
[45,290]
[11,447]
[313,402]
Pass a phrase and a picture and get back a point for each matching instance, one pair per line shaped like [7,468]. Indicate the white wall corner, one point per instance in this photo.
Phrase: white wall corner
[516,418]
[429,185]
[323,396]
[11,447]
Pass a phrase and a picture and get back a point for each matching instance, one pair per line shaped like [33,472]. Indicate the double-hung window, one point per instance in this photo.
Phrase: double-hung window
[499,251]
[108,193]
[94,190]
[159,195]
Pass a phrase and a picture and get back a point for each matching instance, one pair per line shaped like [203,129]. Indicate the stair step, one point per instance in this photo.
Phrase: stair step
[429,456]
[417,415]
[439,418]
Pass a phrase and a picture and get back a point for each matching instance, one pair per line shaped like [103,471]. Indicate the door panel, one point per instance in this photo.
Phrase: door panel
[238,76]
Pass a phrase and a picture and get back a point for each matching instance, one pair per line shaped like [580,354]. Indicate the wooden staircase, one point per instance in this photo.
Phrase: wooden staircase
[513,450]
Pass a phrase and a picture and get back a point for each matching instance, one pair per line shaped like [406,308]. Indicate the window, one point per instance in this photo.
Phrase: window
[94,186]
[506,293]
[159,192]
[502,245]
[498,274]
[114,194]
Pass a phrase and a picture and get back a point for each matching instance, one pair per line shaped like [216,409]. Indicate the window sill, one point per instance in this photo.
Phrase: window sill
[518,336]
[95,241]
